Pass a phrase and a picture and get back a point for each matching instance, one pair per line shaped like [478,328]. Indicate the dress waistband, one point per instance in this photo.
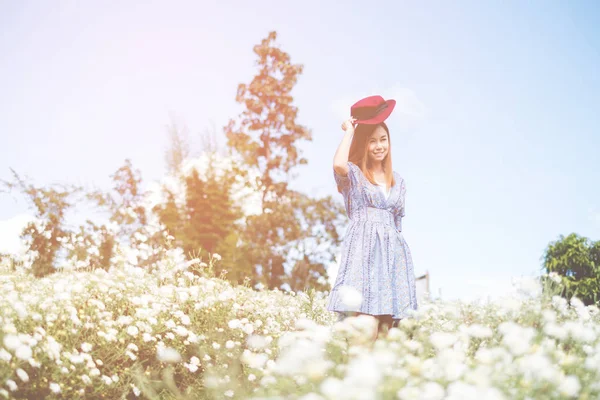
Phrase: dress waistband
[376,215]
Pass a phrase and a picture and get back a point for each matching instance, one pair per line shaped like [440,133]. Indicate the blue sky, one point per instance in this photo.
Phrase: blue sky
[495,132]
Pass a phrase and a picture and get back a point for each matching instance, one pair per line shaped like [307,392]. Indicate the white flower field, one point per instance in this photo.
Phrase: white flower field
[176,333]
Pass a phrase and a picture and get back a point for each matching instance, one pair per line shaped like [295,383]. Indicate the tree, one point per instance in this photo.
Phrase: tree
[199,210]
[179,147]
[46,233]
[577,259]
[267,131]
[266,136]
[210,212]
[131,224]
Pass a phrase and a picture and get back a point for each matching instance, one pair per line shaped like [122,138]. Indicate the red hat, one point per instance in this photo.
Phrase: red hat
[372,110]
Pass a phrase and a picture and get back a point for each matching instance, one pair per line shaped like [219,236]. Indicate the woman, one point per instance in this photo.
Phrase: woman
[376,271]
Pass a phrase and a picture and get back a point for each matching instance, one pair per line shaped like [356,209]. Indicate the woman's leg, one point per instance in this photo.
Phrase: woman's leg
[385,324]
[376,332]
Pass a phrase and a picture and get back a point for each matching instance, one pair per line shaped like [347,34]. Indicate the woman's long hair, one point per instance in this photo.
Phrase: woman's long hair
[359,153]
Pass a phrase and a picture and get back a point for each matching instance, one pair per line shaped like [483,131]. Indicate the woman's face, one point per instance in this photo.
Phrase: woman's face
[378,145]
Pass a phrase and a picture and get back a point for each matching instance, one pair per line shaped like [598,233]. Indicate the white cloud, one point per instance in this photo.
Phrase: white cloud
[10,230]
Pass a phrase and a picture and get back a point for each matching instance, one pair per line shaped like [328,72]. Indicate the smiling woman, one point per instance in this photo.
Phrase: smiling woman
[376,271]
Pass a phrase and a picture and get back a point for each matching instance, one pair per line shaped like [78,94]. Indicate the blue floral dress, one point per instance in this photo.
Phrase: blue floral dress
[376,270]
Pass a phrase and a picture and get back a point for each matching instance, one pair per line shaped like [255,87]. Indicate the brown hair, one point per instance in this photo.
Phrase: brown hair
[359,151]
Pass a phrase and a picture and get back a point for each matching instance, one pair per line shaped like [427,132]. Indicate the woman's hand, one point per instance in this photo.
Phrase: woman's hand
[348,125]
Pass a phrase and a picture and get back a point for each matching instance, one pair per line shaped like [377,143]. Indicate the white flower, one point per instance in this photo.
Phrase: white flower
[516,338]
[479,331]
[168,355]
[133,330]
[254,360]
[136,391]
[76,359]
[191,367]
[364,369]
[181,331]
[560,304]
[332,387]
[86,347]
[549,315]
[529,286]
[22,375]
[5,355]
[12,385]
[579,331]
[441,340]
[54,387]
[409,393]
[555,277]
[86,379]
[577,303]
[217,256]
[34,363]
[23,352]
[569,386]
[484,356]
[350,297]
[537,365]
[555,330]
[432,391]
[256,342]
[11,342]
[310,396]
[229,344]
[234,324]
[508,305]
[132,347]
[229,393]
[318,369]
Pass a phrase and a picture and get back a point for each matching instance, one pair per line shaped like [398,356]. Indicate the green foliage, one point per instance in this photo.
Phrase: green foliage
[577,259]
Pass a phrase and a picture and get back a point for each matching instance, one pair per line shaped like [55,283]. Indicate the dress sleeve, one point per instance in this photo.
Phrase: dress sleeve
[399,208]
[346,183]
